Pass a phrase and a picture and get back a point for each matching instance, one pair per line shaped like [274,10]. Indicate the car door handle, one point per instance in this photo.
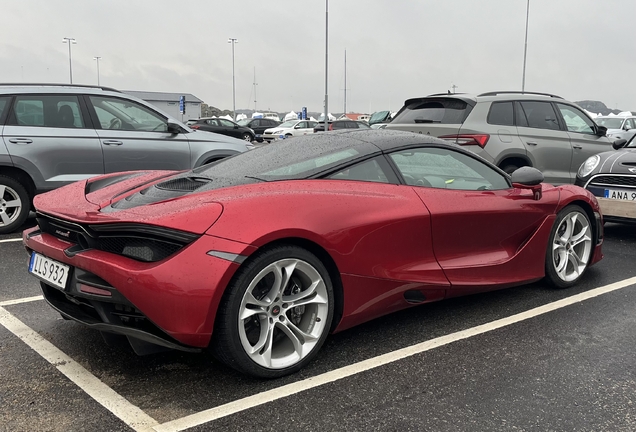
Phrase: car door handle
[578,147]
[20,140]
[532,143]
[112,142]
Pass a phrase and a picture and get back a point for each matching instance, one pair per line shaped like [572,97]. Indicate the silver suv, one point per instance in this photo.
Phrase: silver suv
[52,135]
[510,129]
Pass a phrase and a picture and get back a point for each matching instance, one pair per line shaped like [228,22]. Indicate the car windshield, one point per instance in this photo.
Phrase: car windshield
[610,123]
[243,122]
[288,124]
[433,110]
[289,159]
[631,142]
[379,117]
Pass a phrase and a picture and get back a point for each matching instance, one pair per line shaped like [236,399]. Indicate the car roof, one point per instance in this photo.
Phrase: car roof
[504,95]
[383,139]
[11,88]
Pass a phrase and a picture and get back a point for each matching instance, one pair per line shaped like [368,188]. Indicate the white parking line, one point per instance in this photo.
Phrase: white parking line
[11,240]
[21,300]
[372,363]
[104,395]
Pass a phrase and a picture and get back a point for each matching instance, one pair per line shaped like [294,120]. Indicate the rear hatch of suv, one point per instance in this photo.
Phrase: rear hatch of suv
[433,115]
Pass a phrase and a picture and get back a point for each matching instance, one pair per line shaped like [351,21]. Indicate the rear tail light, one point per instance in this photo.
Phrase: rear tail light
[195,127]
[468,139]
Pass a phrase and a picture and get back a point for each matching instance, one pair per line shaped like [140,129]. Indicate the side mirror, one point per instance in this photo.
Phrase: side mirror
[235,126]
[174,128]
[601,131]
[619,144]
[528,178]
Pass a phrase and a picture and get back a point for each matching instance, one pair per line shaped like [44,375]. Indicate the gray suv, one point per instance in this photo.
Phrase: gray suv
[510,129]
[52,135]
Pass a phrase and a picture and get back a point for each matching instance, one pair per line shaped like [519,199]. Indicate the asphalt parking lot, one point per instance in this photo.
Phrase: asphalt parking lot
[526,358]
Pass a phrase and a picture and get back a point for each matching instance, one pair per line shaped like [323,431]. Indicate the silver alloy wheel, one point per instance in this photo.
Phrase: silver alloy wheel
[571,246]
[247,137]
[10,205]
[283,313]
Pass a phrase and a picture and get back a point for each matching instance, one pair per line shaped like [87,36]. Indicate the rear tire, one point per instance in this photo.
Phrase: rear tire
[569,248]
[15,204]
[275,314]
[510,168]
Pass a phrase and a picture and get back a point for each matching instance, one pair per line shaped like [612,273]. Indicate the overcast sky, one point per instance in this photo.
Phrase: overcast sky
[396,49]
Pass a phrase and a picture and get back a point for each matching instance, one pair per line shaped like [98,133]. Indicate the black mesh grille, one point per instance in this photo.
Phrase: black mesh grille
[185,184]
[610,180]
[142,249]
[139,242]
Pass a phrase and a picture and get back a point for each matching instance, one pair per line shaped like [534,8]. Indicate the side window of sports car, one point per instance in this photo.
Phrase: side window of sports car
[444,168]
[369,170]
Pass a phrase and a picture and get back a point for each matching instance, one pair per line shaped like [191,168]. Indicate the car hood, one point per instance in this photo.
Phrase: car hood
[617,162]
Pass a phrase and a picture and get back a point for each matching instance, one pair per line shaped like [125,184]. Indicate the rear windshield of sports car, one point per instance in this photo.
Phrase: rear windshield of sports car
[433,110]
[287,160]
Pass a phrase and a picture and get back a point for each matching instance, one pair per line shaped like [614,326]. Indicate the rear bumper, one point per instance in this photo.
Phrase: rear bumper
[172,302]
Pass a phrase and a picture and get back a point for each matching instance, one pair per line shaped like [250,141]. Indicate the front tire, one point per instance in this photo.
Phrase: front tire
[570,247]
[15,205]
[247,137]
[275,314]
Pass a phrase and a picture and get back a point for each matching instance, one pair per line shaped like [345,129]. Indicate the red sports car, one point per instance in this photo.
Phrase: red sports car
[261,255]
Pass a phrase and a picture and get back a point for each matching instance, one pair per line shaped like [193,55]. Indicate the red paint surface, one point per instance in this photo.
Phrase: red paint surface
[384,240]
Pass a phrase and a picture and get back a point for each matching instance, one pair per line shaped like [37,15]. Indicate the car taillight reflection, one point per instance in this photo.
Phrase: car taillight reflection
[468,139]
[195,127]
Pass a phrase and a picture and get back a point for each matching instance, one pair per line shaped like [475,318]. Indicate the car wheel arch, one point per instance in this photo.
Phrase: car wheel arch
[321,253]
[22,177]
[516,160]
[587,208]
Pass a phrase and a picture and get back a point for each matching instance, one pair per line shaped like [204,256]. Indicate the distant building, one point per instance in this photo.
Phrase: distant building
[354,116]
[169,103]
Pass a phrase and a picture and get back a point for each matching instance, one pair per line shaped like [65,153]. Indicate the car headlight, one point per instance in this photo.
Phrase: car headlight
[588,166]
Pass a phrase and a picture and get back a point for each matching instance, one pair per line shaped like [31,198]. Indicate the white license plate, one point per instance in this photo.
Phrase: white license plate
[49,270]
[620,195]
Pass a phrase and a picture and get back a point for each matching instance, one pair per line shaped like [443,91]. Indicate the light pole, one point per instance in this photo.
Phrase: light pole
[97,58]
[525,50]
[233,41]
[326,65]
[69,41]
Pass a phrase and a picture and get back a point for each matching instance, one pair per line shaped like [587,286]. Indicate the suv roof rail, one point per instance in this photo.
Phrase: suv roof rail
[58,85]
[444,94]
[495,93]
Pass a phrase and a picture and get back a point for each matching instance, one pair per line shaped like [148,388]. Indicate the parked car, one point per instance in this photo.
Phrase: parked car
[258,125]
[510,129]
[51,135]
[618,127]
[341,124]
[611,177]
[288,129]
[224,127]
[352,225]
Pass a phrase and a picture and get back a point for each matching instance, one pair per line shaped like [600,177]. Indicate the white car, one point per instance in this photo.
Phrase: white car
[618,127]
[289,129]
